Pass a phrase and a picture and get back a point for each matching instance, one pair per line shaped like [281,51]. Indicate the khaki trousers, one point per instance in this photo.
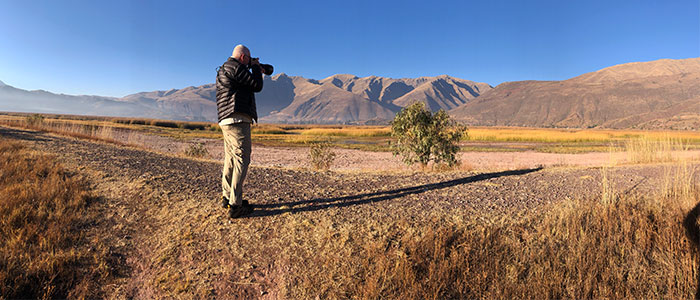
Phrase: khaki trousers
[237,148]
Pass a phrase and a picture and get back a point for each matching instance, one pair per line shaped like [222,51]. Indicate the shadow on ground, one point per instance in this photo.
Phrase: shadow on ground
[272,209]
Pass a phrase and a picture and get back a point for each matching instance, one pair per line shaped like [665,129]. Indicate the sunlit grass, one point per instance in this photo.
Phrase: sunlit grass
[573,136]
[622,246]
[650,150]
[44,253]
[349,132]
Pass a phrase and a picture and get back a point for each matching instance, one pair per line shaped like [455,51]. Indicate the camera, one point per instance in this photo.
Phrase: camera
[266,69]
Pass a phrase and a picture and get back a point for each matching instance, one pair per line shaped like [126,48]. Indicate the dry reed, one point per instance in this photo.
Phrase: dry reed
[648,150]
[43,250]
[495,134]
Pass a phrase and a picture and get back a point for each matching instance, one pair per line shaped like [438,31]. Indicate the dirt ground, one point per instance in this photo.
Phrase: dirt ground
[369,161]
[168,234]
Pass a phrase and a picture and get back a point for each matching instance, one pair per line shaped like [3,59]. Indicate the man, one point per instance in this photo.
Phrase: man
[235,102]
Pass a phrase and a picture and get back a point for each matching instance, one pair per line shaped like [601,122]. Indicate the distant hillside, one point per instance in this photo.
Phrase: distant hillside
[663,94]
[39,101]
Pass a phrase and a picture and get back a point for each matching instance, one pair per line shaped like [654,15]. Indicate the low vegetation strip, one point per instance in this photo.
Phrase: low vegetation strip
[43,211]
[551,135]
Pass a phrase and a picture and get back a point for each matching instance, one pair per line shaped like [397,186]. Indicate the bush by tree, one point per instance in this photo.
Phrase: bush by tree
[197,150]
[422,136]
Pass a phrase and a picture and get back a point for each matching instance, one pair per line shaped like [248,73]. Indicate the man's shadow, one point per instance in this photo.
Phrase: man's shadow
[692,230]
[272,209]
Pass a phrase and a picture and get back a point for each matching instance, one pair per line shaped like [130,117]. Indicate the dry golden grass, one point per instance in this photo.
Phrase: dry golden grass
[43,211]
[622,246]
[98,131]
[350,132]
[650,150]
[117,121]
[496,134]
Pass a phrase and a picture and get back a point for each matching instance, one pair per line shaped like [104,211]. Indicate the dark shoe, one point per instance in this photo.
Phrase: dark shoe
[225,202]
[237,211]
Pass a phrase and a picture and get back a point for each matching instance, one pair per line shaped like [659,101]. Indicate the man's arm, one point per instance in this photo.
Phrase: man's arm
[254,81]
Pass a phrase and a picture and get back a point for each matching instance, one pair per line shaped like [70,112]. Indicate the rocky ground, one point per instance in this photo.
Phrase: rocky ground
[168,234]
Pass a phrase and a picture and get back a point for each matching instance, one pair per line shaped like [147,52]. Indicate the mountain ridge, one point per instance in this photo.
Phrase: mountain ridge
[661,94]
[644,95]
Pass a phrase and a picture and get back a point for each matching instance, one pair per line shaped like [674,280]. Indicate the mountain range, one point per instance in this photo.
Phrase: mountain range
[662,94]
[647,95]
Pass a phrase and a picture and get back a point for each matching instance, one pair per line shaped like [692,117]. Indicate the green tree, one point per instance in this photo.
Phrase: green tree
[422,136]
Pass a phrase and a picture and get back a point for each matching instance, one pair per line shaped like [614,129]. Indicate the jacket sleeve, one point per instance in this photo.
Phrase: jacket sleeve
[254,81]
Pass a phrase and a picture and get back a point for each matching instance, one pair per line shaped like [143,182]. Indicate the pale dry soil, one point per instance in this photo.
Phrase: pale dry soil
[169,237]
[369,161]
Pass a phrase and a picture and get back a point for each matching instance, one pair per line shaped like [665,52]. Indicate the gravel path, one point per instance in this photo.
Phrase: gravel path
[148,199]
[307,190]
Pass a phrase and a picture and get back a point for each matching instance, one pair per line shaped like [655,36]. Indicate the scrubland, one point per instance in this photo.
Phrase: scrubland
[620,247]
[613,243]
[44,209]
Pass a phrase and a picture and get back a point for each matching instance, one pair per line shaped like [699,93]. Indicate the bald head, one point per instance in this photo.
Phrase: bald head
[241,53]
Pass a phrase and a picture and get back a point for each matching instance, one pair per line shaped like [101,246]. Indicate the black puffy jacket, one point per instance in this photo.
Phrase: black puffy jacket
[235,88]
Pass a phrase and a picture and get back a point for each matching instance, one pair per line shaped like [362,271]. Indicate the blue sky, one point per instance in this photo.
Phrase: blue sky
[115,48]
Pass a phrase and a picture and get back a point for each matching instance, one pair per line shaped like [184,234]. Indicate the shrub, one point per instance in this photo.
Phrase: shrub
[35,119]
[321,155]
[197,150]
[194,126]
[163,123]
[422,136]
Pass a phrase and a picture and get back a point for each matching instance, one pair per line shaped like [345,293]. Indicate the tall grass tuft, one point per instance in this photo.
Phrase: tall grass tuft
[321,155]
[649,150]
[43,210]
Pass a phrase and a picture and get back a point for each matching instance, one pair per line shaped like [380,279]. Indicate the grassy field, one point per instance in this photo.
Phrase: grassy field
[630,247]
[371,138]
[44,252]
[618,246]
[621,246]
